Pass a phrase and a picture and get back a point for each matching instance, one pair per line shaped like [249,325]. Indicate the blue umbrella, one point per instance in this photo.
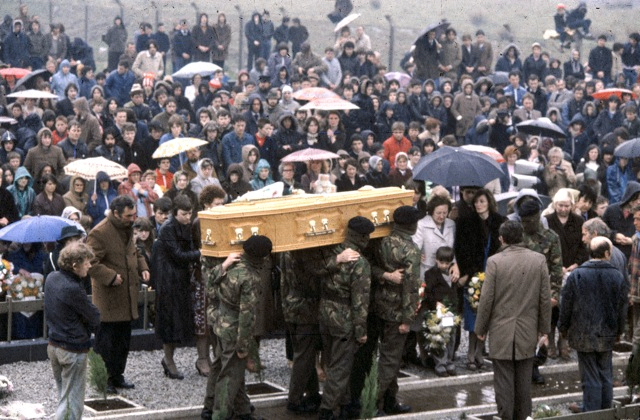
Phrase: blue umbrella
[451,166]
[36,229]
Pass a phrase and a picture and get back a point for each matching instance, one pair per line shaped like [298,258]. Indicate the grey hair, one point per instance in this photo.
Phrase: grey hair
[596,227]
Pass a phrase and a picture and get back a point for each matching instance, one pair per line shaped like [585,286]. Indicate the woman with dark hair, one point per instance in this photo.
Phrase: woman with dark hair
[220,49]
[173,260]
[65,106]
[312,136]
[203,97]
[350,180]
[477,238]
[109,113]
[203,39]
[48,202]
[8,209]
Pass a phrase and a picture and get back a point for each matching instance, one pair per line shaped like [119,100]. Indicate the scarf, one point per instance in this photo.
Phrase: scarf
[312,138]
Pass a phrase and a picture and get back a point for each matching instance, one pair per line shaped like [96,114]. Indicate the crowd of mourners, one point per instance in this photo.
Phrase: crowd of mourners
[451,92]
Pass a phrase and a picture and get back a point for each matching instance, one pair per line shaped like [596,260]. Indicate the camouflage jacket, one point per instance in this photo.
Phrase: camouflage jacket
[233,299]
[302,272]
[344,302]
[397,302]
[547,242]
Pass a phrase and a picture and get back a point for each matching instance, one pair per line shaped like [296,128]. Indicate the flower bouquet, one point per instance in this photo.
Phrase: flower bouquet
[6,278]
[438,328]
[22,288]
[6,387]
[473,291]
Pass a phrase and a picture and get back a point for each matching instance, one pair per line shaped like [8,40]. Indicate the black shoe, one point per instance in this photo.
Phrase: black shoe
[123,384]
[206,414]
[169,374]
[112,390]
[305,407]
[398,408]
[537,377]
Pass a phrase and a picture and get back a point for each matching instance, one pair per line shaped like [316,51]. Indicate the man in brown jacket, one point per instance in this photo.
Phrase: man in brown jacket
[512,315]
[115,273]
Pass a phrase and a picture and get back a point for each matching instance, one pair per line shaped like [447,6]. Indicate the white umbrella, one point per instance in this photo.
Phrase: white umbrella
[89,168]
[199,67]
[344,22]
[33,94]
[329,104]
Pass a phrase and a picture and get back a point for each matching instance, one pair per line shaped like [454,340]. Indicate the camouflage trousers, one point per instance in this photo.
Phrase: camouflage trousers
[338,349]
[227,367]
[391,349]
[306,342]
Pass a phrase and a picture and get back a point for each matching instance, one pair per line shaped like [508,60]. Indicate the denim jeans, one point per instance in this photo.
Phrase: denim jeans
[596,374]
[69,373]
[630,77]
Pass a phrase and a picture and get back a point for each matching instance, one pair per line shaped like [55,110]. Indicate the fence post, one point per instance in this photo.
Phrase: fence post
[44,320]
[86,23]
[155,6]
[195,7]
[240,37]
[392,37]
[50,12]
[9,317]
[145,311]
[121,9]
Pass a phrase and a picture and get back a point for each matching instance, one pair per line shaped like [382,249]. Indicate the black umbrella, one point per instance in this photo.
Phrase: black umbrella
[450,166]
[542,127]
[503,200]
[629,149]
[439,28]
[500,78]
[29,81]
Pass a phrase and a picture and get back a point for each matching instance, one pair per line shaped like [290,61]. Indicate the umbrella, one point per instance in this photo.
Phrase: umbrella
[450,166]
[177,146]
[309,154]
[503,199]
[199,67]
[16,72]
[485,150]
[36,229]
[29,81]
[329,104]
[541,127]
[402,78]
[628,149]
[500,78]
[7,120]
[604,94]
[89,168]
[310,93]
[344,22]
[32,94]
[439,28]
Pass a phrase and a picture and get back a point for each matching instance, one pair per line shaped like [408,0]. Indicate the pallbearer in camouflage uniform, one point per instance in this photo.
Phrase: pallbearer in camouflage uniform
[231,313]
[395,305]
[343,310]
[546,242]
[302,272]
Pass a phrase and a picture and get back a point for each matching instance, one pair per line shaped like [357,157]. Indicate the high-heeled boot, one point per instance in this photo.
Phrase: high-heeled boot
[169,366]
[203,364]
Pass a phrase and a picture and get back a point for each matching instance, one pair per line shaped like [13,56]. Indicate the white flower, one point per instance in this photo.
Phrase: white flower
[471,290]
[38,283]
[20,296]
[23,283]
[31,284]
[18,287]
[474,280]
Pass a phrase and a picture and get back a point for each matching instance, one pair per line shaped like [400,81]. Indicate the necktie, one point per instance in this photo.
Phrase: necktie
[528,115]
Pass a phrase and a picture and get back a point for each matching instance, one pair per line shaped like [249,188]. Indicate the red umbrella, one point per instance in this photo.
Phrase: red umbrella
[485,150]
[311,93]
[309,154]
[329,104]
[16,72]
[604,94]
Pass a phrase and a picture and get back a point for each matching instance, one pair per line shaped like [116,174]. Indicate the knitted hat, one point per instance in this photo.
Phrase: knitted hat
[406,215]
[361,225]
[258,246]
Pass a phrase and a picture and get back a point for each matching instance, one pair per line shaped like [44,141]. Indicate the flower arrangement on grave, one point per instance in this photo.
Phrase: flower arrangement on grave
[438,329]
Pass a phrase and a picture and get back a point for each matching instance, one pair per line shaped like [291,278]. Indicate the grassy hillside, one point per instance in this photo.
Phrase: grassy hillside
[527,19]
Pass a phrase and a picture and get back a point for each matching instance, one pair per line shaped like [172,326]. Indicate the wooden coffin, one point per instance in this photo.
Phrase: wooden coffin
[298,222]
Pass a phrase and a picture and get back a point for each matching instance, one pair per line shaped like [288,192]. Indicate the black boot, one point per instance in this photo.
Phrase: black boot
[536,376]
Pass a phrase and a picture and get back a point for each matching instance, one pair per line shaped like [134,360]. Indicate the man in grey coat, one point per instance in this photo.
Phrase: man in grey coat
[593,307]
[515,309]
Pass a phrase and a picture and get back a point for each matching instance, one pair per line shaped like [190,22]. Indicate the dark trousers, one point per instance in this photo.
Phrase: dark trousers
[512,383]
[391,348]
[112,343]
[227,370]
[596,375]
[363,358]
[305,339]
[113,58]
[338,349]
[253,52]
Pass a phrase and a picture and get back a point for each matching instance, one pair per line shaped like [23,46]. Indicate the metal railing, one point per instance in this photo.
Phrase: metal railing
[11,306]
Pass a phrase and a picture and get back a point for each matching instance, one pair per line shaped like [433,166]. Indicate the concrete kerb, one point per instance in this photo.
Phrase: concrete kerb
[406,385]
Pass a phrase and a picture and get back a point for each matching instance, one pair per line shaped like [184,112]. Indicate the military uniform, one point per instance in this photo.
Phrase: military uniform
[343,312]
[394,305]
[231,314]
[300,290]
[547,242]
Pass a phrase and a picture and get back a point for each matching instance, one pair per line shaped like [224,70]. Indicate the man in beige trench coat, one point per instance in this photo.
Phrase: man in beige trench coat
[514,310]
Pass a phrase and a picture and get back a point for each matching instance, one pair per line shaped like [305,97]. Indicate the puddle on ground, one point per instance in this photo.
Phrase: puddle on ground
[467,395]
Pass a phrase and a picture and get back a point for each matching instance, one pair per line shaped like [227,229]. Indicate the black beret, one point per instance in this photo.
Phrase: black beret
[258,246]
[361,225]
[528,208]
[406,215]
[264,78]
